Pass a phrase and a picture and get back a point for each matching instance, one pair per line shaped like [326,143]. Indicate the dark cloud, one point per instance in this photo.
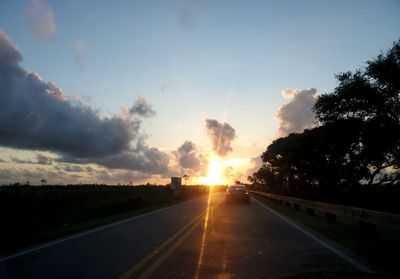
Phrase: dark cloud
[43,160]
[142,158]
[188,157]
[149,160]
[36,115]
[297,115]
[40,160]
[142,108]
[221,135]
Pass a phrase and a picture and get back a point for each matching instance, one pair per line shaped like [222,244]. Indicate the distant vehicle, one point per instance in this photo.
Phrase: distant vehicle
[237,193]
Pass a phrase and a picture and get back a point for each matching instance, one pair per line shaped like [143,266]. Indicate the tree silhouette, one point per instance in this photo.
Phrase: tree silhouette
[185,178]
[357,143]
[371,96]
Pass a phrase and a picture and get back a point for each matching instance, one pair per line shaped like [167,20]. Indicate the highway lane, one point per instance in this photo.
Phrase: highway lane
[247,241]
[227,241]
[103,253]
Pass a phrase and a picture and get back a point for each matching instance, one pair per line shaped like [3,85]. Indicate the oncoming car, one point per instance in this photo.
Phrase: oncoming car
[237,193]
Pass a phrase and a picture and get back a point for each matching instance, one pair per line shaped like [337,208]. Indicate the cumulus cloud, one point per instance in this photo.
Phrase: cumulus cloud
[80,53]
[297,115]
[41,18]
[36,115]
[142,108]
[221,136]
[188,157]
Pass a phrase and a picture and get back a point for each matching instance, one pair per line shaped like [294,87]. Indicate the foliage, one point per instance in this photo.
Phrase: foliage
[357,144]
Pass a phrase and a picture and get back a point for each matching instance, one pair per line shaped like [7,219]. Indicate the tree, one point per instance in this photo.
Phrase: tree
[185,178]
[43,182]
[371,96]
[357,143]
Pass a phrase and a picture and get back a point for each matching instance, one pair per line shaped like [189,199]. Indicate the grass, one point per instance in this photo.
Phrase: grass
[377,248]
[33,215]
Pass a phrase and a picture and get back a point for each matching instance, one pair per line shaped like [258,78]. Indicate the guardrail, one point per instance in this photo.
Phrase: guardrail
[331,211]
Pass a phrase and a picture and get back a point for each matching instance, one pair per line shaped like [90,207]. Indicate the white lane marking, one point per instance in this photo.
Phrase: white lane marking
[347,258]
[92,231]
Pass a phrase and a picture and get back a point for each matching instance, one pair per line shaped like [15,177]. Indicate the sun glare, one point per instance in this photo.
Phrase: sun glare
[218,170]
[214,173]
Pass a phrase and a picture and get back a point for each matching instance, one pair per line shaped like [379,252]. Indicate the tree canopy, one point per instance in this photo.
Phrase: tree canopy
[357,143]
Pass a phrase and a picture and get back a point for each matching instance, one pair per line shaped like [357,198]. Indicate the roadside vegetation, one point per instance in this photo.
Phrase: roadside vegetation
[379,248]
[352,157]
[31,215]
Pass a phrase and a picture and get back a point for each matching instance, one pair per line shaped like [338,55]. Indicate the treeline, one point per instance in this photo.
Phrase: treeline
[353,156]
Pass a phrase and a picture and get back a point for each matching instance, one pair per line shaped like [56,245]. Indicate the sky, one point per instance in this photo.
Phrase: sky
[112,92]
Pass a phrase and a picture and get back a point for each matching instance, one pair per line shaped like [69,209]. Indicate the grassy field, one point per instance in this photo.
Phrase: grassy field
[380,248]
[32,215]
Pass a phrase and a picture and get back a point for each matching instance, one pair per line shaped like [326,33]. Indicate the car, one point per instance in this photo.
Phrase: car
[237,193]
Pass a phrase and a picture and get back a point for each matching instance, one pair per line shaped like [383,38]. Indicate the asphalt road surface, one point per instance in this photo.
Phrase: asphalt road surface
[201,238]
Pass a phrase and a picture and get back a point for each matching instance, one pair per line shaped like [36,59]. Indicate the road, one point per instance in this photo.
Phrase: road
[201,238]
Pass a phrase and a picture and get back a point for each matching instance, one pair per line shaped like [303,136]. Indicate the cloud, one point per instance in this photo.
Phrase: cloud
[40,160]
[148,160]
[36,115]
[142,158]
[80,53]
[74,168]
[41,19]
[43,160]
[297,115]
[188,13]
[256,165]
[71,174]
[221,135]
[142,108]
[187,156]
[34,176]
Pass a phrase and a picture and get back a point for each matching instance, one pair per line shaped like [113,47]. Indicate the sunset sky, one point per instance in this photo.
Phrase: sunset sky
[117,91]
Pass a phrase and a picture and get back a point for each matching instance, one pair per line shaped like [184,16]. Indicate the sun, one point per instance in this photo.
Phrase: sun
[222,171]
[214,172]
